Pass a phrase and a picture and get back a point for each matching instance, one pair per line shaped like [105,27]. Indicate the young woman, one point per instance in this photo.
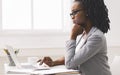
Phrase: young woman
[86,50]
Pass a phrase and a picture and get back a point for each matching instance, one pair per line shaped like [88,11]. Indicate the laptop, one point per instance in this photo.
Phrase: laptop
[25,66]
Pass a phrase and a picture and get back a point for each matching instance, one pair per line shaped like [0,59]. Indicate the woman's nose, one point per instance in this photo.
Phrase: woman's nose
[72,17]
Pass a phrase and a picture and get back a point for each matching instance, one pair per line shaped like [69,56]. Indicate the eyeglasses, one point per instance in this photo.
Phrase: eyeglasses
[75,12]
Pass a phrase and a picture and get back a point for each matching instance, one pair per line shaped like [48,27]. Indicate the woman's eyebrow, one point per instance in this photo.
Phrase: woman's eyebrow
[74,9]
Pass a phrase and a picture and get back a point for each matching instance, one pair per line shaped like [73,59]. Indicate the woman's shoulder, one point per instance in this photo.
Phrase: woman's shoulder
[98,34]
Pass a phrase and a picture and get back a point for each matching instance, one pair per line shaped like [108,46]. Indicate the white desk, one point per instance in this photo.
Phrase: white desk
[57,70]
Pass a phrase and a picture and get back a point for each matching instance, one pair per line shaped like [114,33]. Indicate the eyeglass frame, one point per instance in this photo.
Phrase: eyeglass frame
[75,12]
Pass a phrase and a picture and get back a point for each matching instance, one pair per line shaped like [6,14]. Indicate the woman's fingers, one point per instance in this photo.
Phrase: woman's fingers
[76,30]
[39,60]
[46,60]
[43,60]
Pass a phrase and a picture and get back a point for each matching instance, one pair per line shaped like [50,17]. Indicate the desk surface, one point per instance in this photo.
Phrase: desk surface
[49,74]
[57,70]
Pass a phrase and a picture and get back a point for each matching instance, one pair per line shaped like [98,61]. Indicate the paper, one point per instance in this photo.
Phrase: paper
[51,70]
[20,71]
[54,70]
[35,66]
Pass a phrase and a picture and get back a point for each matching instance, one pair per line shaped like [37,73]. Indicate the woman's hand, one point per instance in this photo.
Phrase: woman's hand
[76,30]
[50,62]
[46,60]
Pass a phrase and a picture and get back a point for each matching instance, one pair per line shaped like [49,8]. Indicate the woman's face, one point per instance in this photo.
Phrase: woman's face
[78,14]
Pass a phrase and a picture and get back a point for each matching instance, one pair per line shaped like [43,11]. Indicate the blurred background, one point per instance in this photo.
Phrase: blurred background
[41,27]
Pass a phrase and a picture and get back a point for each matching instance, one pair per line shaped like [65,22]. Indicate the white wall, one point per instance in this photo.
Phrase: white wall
[57,39]
[34,39]
[113,36]
[56,52]
[0,12]
[25,40]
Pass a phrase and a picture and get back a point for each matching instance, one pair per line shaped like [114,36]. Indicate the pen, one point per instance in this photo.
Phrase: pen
[6,51]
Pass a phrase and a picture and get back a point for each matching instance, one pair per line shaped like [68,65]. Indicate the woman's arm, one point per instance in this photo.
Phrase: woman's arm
[60,61]
[91,48]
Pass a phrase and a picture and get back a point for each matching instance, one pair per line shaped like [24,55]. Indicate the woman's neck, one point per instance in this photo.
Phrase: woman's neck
[88,27]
